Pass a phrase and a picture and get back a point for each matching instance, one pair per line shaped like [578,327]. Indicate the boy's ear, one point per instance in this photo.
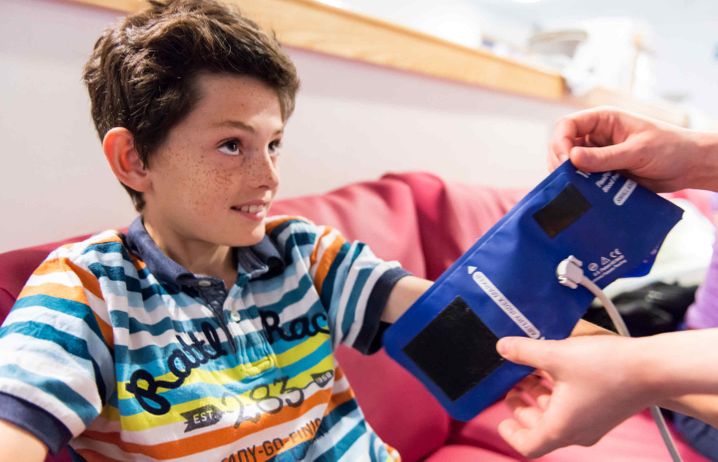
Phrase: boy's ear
[124,160]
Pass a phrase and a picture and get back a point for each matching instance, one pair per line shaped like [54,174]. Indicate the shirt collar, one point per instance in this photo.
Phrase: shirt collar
[261,259]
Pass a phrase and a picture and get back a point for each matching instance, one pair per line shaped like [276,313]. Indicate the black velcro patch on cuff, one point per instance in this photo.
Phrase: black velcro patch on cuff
[456,350]
[562,211]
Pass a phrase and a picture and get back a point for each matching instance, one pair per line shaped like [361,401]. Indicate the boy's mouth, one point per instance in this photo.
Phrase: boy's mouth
[250,208]
[255,210]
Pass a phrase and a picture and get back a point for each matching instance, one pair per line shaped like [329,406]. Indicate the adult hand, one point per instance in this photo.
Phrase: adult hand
[582,392]
[658,155]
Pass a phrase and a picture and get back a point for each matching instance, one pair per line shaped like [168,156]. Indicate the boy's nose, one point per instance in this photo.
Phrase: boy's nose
[263,171]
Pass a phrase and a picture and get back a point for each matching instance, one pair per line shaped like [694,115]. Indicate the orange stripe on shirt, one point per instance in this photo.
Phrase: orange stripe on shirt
[270,225]
[52,289]
[290,442]
[287,442]
[338,373]
[74,293]
[206,441]
[313,256]
[339,399]
[139,264]
[326,262]
[54,265]
[106,330]
[89,281]
[62,265]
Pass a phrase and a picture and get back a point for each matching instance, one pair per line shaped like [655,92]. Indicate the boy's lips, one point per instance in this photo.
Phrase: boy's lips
[255,210]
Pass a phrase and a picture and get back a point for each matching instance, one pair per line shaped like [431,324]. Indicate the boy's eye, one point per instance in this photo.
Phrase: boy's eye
[230,148]
[275,146]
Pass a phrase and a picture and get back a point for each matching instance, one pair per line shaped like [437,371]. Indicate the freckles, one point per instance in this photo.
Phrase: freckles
[223,177]
[221,181]
[210,186]
[199,187]
[255,173]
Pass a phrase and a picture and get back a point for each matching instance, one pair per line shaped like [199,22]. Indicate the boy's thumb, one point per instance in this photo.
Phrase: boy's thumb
[522,350]
[601,159]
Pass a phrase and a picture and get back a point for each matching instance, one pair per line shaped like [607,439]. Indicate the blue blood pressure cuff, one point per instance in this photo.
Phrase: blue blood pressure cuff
[506,284]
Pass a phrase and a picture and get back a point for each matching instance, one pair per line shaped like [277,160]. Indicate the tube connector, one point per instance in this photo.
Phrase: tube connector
[569,272]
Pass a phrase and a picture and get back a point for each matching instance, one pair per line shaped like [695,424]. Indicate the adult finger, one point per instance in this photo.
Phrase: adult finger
[554,160]
[535,388]
[562,140]
[601,159]
[526,351]
[528,382]
[523,408]
[589,123]
[540,394]
[531,442]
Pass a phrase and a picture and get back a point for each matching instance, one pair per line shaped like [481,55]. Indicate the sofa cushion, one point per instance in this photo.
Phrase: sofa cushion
[467,453]
[635,440]
[380,213]
[452,215]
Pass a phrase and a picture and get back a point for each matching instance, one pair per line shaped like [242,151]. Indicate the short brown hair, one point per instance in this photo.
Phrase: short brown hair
[141,73]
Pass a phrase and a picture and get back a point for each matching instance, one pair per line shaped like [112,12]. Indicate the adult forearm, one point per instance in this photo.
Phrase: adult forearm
[674,364]
[706,148]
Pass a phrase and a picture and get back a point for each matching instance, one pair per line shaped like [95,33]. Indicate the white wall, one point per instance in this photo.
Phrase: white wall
[353,122]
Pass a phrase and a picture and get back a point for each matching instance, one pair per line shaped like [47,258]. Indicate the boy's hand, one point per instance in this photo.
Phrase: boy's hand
[660,156]
[588,328]
[17,444]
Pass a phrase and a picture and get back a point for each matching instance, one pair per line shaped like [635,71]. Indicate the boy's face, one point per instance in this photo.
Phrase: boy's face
[214,177]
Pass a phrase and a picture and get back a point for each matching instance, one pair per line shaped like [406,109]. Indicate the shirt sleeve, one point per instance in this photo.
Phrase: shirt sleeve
[55,353]
[354,286]
[37,421]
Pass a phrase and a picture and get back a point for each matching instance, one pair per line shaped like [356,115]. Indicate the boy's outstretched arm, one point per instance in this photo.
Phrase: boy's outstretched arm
[18,444]
[408,289]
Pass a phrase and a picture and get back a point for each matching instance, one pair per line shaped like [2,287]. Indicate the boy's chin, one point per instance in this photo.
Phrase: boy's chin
[247,239]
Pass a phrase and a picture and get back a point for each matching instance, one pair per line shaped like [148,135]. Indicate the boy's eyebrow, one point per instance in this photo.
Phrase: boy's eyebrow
[243,126]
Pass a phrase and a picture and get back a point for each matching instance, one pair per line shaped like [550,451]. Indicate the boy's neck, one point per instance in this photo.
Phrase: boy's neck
[196,256]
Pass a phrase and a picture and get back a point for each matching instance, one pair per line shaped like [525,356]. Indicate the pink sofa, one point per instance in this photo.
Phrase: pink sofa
[425,223]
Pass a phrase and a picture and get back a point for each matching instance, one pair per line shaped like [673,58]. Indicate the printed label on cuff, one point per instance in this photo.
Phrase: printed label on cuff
[506,306]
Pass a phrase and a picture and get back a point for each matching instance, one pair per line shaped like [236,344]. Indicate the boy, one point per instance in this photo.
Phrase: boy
[207,330]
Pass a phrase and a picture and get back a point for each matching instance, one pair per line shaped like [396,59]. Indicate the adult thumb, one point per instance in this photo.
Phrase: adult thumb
[602,159]
[526,351]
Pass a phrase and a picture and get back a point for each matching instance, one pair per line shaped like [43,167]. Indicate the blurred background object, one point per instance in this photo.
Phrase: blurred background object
[663,50]
[609,52]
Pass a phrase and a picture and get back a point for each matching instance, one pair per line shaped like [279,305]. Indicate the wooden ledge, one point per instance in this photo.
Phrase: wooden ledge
[314,26]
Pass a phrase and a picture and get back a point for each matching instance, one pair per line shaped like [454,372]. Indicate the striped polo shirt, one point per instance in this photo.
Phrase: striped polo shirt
[123,353]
